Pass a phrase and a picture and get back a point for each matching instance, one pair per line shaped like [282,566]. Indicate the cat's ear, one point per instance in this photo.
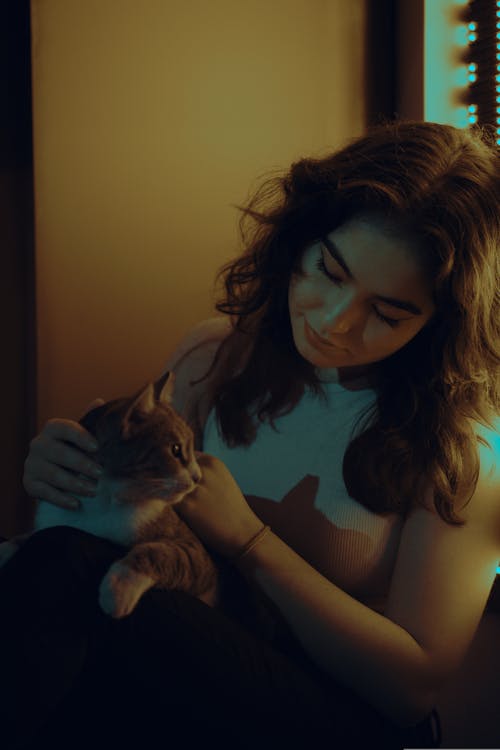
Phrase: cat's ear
[164,387]
[144,402]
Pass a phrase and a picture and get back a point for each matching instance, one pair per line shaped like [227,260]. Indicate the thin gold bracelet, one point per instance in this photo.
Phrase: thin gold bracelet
[252,542]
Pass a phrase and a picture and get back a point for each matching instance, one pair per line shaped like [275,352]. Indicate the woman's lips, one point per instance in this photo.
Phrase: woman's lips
[318,342]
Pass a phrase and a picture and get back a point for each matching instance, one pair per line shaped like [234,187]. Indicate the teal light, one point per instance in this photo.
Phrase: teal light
[459,77]
[461,118]
[444,74]
[446,78]
[460,35]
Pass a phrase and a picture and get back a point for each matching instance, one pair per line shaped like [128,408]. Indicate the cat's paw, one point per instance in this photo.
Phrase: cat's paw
[7,550]
[121,588]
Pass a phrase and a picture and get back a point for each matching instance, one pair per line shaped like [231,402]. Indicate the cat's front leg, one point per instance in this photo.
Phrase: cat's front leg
[121,588]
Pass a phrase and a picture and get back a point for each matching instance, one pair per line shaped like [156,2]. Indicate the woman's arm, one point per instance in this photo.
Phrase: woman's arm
[397,661]
[440,586]
[357,646]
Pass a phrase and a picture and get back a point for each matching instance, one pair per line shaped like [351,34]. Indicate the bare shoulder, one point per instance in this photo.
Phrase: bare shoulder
[486,497]
[190,360]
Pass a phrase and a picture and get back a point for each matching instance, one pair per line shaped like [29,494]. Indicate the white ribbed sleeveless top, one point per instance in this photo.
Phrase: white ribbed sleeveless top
[292,479]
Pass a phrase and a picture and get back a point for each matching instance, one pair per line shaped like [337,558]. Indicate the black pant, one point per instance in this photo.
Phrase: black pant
[173,671]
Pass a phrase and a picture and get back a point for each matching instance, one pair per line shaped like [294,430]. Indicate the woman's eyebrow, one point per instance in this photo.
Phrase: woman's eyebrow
[399,303]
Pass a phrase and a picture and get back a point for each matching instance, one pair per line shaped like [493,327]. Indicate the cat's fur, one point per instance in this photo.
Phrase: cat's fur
[147,452]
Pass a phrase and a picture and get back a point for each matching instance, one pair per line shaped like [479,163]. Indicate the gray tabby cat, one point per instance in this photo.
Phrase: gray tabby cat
[147,452]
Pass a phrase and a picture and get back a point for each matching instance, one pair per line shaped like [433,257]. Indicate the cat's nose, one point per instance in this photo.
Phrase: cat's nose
[196,475]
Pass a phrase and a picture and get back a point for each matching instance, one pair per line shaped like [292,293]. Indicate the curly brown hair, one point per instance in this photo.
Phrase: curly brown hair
[439,184]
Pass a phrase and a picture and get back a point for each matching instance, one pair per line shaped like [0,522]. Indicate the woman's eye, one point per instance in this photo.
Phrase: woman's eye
[321,266]
[177,450]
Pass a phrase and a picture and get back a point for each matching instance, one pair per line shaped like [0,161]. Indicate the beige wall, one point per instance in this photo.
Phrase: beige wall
[150,118]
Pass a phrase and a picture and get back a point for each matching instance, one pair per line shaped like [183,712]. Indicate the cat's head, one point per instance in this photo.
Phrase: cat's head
[145,444]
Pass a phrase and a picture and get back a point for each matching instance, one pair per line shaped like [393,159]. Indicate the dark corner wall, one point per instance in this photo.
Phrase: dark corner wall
[394,60]
[17,276]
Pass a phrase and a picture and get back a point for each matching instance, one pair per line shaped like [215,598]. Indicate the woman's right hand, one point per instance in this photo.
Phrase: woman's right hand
[57,455]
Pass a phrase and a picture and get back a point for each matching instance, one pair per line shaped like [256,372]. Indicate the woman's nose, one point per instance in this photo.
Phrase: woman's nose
[338,317]
[329,327]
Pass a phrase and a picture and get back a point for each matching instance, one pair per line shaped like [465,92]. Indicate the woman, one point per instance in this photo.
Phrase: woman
[369,288]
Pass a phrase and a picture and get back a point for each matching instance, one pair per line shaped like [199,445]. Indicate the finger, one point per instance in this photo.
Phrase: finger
[58,480]
[94,403]
[54,497]
[202,456]
[59,464]
[70,431]
[57,454]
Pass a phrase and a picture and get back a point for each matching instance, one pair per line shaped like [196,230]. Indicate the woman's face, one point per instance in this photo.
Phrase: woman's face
[335,308]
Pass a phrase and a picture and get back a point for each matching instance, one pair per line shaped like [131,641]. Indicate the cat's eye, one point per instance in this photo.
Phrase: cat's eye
[177,450]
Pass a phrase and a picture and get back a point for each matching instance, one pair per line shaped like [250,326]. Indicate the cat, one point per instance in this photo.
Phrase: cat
[147,451]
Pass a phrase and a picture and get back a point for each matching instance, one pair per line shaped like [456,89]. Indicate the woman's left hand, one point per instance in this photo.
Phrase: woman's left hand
[217,511]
